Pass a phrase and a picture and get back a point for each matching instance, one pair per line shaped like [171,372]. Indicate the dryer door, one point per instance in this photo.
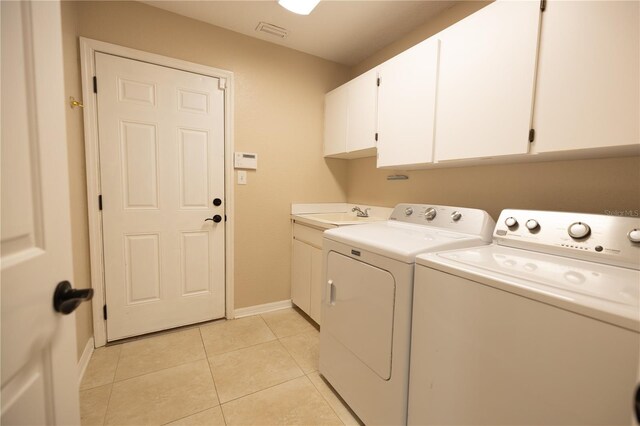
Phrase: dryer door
[359,310]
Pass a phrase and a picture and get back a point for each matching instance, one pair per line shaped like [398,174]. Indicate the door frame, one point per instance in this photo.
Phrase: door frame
[88,48]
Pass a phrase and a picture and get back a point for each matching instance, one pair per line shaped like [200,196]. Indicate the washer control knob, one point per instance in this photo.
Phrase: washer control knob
[430,214]
[408,211]
[634,235]
[456,216]
[579,230]
[532,225]
[510,222]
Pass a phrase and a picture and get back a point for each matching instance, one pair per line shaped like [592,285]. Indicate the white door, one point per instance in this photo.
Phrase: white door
[39,373]
[161,134]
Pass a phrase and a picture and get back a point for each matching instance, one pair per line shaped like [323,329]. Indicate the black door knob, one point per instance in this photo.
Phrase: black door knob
[217,202]
[66,299]
[217,218]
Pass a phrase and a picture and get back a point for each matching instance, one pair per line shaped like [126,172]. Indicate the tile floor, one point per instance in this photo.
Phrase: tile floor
[258,370]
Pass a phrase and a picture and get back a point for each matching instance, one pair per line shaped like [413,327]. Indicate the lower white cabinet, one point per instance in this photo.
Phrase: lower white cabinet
[306,270]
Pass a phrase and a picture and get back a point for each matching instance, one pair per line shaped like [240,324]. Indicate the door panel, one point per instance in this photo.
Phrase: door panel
[38,357]
[359,310]
[315,303]
[161,135]
[486,82]
[406,107]
[301,274]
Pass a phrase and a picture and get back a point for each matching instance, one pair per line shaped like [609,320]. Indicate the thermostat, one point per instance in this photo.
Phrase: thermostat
[246,160]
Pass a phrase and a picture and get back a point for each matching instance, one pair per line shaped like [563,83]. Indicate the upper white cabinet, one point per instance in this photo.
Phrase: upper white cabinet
[486,82]
[406,106]
[335,122]
[588,91]
[350,118]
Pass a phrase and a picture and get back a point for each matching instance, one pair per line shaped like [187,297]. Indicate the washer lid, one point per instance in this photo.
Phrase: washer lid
[398,240]
[604,292]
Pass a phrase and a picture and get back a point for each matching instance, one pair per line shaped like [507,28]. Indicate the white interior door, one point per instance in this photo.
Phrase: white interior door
[39,374]
[161,134]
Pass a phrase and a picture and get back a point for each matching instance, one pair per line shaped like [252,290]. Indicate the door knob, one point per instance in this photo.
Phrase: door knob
[217,218]
[66,299]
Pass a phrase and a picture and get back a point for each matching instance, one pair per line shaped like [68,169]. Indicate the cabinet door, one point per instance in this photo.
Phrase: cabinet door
[486,82]
[361,112]
[301,275]
[316,284]
[406,106]
[588,92]
[335,122]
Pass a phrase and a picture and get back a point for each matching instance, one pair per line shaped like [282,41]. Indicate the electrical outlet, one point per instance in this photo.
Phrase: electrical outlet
[242,177]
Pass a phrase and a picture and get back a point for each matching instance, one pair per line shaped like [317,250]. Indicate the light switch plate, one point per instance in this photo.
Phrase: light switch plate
[242,177]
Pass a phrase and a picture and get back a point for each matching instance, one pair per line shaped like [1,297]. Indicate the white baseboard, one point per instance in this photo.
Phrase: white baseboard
[84,359]
[261,309]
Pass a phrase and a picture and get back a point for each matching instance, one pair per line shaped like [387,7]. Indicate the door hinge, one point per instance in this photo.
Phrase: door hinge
[532,135]
[222,83]
[95,84]
[225,217]
[104,312]
[100,202]
[376,137]
[543,5]
[378,82]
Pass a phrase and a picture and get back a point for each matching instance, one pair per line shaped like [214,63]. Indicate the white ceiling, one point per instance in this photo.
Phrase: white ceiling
[341,31]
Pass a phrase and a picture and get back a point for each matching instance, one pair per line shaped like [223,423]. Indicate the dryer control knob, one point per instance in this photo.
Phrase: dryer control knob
[579,230]
[634,235]
[532,225]
[510,222]
[430,214]
[456,216]
[408,211]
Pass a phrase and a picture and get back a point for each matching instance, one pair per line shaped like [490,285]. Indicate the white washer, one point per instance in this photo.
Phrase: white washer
[366,307]
[541,327]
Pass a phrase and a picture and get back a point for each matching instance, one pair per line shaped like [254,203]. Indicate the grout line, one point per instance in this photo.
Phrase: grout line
[260,390]
[213,379]
[292,357]
[113,382]
[237,349]
[324,398]
[192,414]
[338,397]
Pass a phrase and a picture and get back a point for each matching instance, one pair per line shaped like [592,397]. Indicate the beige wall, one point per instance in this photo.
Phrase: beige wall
[279,96]
[592,186]
[438,23]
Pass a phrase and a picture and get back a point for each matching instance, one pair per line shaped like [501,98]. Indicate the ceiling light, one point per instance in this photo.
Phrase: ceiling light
[301,7]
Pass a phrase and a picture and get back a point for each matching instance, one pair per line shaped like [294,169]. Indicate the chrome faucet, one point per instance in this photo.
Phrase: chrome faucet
[359,212]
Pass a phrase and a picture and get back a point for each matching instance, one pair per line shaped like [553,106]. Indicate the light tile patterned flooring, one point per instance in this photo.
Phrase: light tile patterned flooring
[259,370]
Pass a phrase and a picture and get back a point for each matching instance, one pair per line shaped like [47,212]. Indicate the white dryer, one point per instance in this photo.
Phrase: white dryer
[541,327]
[366,307]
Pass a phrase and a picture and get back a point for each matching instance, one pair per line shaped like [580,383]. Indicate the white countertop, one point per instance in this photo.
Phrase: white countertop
[331,215]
